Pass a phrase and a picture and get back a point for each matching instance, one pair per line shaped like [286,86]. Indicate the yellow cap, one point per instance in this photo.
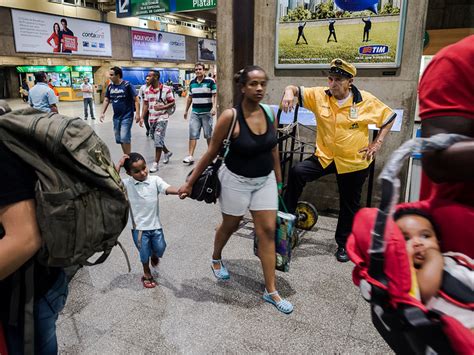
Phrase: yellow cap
[341,67]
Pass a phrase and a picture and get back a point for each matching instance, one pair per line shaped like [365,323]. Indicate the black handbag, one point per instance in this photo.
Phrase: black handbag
[207,187]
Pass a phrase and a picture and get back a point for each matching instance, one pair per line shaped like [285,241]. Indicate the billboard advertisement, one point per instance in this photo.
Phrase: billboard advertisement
[40,33]
[157,45]
[367,33]
[135,8]
[207,49]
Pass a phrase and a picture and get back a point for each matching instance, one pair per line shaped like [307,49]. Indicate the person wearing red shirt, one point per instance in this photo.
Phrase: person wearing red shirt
[446,95]
[55,38]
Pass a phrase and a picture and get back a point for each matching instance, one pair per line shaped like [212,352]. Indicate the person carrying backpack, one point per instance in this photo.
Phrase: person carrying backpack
[158,104]
[19,241]
[59,206]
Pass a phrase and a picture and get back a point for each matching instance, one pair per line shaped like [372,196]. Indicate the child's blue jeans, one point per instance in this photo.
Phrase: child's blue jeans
[150,243]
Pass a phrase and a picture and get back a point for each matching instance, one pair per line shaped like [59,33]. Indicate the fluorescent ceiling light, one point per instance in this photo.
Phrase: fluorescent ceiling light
[201,20]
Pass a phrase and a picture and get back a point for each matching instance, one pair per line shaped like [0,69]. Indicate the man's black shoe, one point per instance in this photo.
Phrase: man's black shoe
[341,255]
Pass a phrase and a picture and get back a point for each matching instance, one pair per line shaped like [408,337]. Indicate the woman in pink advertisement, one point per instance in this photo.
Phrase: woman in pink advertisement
[54,38]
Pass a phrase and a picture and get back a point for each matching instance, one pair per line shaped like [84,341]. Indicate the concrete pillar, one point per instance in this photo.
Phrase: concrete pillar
[225,56]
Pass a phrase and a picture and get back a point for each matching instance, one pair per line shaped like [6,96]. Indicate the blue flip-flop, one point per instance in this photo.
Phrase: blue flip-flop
[283,305]
[222,273]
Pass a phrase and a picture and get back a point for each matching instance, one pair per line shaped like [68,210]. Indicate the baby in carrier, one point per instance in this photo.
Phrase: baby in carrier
[444,281]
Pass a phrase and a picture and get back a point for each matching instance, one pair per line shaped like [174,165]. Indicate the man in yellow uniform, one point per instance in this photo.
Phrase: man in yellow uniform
[343,114]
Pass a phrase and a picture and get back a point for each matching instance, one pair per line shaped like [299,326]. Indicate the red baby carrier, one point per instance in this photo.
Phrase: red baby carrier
[382,267]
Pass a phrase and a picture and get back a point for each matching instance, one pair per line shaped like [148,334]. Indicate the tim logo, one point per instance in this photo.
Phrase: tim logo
[372,50]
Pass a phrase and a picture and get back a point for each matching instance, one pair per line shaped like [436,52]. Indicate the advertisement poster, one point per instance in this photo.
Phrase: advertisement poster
[39,33]
[133,8]
[367,33]
[207,49]
[157,45]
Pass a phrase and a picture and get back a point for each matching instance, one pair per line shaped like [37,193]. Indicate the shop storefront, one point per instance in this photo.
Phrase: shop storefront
[66,80]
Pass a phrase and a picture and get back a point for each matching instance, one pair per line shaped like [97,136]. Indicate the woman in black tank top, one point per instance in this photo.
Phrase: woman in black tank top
[249,178]
[251,153]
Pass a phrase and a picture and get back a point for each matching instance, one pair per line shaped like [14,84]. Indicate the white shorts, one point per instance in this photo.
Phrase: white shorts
[240,194]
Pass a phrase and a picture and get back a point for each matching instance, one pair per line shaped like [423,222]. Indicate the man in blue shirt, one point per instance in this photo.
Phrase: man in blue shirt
[41,96]
[125,103]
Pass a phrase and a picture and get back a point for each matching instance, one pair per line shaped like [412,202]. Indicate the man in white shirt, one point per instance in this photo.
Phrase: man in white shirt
[87,91]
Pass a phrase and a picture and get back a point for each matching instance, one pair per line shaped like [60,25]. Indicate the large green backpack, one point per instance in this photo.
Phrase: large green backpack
[81,203]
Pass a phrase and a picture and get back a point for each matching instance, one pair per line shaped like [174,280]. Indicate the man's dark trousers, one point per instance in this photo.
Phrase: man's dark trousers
[350,189]
[88,102]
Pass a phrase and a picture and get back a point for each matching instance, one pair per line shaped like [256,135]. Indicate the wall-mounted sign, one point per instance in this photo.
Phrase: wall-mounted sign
[193,5]
[207,49]
[45,68]
[158,45]
[367,33]
[82,68]
[130,8]
[40,33]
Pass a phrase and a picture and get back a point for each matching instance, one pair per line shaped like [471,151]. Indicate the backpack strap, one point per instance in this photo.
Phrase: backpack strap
[268,111]
[29,320]
[24,276]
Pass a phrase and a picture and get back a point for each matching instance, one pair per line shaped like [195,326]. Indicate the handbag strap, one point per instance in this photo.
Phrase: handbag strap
[226,143]
[282,203]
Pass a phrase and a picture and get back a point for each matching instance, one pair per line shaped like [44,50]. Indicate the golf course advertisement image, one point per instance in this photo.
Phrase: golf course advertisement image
[367,33]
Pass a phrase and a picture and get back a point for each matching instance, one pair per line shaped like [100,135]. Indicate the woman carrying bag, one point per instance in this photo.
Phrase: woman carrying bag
[248,178]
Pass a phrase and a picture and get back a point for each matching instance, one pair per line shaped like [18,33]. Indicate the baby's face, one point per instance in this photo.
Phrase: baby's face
[419,235]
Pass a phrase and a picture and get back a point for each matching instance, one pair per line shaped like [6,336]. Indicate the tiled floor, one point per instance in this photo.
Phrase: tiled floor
[109,312]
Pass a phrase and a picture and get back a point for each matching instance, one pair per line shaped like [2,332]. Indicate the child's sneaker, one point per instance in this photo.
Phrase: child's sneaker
[188,160]
[167,157]
[154,167]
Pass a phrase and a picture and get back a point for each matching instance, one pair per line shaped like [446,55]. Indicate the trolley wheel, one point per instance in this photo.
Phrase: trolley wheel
[295,240]
[306,215]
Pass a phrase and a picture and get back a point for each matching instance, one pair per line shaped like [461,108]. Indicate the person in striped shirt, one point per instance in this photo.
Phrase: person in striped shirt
[202,96]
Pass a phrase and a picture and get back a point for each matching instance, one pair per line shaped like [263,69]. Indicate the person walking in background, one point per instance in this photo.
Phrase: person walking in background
[87,92]
[202,95]
[51,86]
[125,104]
[343,114]
[367,27]
[41,96]
[250,177]
[24,90]
[301,26]
[53,40]
[156,103]
[141,97]
[332,31]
